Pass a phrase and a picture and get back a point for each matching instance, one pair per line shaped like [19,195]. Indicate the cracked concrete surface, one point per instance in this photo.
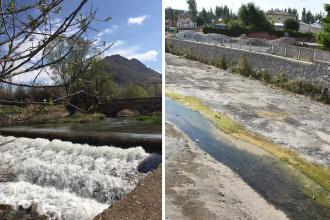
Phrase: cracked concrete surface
[292,121]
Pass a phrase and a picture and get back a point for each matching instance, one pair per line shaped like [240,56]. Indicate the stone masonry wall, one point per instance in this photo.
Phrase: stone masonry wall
[314,72]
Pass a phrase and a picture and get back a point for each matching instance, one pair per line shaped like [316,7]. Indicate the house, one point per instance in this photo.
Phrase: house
[184,22]
[278,16]
[313,28]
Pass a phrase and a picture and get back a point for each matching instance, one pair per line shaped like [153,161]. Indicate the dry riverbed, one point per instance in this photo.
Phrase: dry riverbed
[199,187]
[292,121]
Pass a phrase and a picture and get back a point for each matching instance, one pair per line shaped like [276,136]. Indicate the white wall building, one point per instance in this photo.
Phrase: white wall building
[313,28]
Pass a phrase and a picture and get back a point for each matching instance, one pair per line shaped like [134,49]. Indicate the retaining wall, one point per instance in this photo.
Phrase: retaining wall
[314,72]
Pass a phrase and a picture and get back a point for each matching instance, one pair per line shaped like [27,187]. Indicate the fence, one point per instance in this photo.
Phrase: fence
[264,46]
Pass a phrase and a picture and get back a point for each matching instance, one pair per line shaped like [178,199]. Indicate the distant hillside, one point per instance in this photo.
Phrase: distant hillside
[125,71]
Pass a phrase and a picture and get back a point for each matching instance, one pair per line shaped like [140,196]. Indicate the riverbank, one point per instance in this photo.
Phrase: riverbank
[145,202]
[199,187]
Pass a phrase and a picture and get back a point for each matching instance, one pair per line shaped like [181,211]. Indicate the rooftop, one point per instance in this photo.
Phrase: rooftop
[277,12]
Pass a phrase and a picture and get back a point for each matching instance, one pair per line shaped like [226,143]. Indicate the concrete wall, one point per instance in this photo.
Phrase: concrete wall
[315,72]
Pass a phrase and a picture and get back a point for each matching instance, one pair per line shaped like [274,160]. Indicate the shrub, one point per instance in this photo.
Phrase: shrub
[316,92]
[235,29]
[221,63]
[323,38]
[291,24]
[291,33]
[244,67]
[263,75]
[280,78]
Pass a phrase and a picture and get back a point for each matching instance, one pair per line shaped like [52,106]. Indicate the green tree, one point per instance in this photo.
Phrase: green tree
[133,91]
[291,24]
[210,15]
[253,18]
[295,13]
[236,28]
[204,16]
[192,6]
[98,81]
[323,37]
[80,73]
[309,17]
[303,15]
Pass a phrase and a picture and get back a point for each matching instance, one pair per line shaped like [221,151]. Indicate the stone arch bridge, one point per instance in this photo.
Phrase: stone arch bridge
[143,105]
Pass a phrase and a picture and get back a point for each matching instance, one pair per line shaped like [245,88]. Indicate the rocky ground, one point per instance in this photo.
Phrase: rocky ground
[292,121]
[199,187]
[145,202]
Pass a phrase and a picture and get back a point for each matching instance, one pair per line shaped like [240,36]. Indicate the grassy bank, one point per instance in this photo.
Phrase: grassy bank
[78,118]
[151,118]
[319,174]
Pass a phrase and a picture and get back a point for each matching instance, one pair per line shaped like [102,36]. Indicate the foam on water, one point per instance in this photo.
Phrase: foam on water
[49,201]
[47,170]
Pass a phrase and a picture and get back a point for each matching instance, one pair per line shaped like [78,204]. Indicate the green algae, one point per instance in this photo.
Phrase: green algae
[317,173]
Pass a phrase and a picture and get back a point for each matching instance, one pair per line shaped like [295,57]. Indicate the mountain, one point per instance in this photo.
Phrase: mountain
[125,71]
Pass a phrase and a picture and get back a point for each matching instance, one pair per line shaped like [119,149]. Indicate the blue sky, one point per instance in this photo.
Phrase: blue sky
[136,29]
[136,26]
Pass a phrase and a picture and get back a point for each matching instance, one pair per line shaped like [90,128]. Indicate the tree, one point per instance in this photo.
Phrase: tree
[31,31]
[199,22]
[253,18]
[210,15]
[133,91]
[192,6]
[76,72]
[204,16]
[309,17]
[323,37]
[303,15]
[21,94]
[291,24]
[236,28]
[295,13]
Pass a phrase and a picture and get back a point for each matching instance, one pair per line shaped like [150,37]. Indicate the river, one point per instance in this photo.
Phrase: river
[65,180]
[277,182]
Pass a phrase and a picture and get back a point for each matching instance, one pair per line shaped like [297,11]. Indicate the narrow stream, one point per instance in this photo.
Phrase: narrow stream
[275,181]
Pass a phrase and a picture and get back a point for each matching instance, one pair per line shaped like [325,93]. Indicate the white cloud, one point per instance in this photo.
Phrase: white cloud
[136,20]
[121,48]
[100,34]
[111,29]
[150,55]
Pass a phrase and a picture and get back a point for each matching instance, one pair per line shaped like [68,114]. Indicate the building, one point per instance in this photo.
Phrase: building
[278,16]
[184,22]
[312,28]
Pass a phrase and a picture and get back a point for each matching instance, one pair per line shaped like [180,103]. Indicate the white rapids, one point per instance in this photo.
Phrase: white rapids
[65,180]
